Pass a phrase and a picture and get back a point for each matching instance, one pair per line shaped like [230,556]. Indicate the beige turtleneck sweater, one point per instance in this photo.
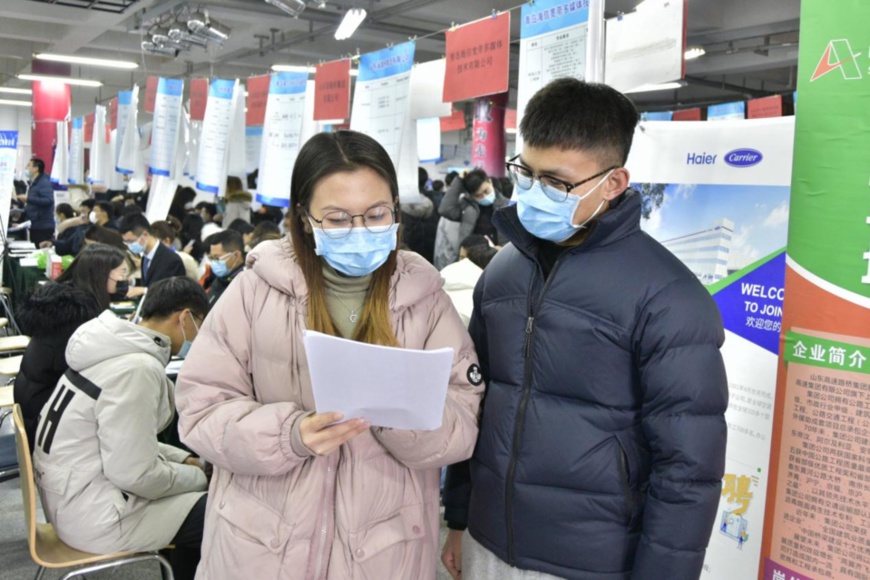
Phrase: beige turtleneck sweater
[344,295]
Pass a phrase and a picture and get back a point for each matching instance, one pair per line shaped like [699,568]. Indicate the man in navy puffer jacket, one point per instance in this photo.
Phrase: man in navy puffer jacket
[602,435]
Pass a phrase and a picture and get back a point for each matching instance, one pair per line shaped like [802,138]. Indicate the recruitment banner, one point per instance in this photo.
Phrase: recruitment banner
[332,90]
[60,165]
[128,134]
[258,95]
[101,154]
[717,196]
[552,45]
[282,137]
[164,132]
[211,167]
[113,113]
[8,158]
[488,144]
[253,145]
[727,111]
[151,93]
[381,106]
[198,98]
[76,166]
[89,128]
[160,196]
[818,517]
[478,55]
[236,153]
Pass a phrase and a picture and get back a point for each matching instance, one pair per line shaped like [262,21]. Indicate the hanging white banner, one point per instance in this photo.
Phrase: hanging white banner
[253,144]
[129,134]
[160,196]
[282,137]
[429,140]
[211,166]
[182,146]
[125,99]
[98,173]
[427,88]
[193,149]
[77,151]
[236,156]
[60,166]
[164,135]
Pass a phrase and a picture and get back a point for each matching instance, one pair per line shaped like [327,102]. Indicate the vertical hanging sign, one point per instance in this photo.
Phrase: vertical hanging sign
[488,145]
[150,94]
[164,132]
[77,151]
[198,98]
[282,136]
[60,164]
[211,167]
[99,166]
[478,55]
[258,95]
[8,158]
[332,90]
[122,113]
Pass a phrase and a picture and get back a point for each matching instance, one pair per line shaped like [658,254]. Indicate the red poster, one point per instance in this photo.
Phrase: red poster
[510,119]
[113,114]
[488,145]
[150,93]
[477,59]
[766,107]
[332,90]
[258,93]
[455,122]
[198,97]
[688,115]
[89,127]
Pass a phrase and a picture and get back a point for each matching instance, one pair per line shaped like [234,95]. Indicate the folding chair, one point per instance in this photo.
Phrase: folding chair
[49,551]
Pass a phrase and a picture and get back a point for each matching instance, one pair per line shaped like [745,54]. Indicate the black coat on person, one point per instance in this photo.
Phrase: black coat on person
[165,264]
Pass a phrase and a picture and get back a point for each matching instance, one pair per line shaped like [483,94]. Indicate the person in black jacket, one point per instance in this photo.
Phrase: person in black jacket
[39,202]
[158,261]
[51,315]
[602,438]
[226,259]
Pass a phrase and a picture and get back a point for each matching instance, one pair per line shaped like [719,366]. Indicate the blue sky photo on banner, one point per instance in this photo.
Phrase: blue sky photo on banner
[281,137]
[717,196]
[164,134]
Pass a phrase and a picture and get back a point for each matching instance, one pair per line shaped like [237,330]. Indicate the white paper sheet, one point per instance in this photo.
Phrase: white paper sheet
[391,387]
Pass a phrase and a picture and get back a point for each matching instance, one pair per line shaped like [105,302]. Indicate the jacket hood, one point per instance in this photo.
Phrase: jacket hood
[461,275]
[618,222]
[109,337]
[275,263]
[55,307]
[240,196]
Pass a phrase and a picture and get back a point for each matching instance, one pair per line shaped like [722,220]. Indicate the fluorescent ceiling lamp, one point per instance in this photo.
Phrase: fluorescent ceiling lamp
[293,68]
[14,103]
[656,87]
[103,62]
[16,91]
[694,52]
[65,80]
[352,19]
[291,7]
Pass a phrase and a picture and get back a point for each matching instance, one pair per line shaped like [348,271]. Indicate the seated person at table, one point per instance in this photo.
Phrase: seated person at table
[158,261]
[164,232]
[70,231]
[104,214]
[106,483]
[226,259]
[50,315]
[98,235]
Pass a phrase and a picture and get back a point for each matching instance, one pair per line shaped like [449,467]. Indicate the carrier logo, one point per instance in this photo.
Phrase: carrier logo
[743,157]
[838,55]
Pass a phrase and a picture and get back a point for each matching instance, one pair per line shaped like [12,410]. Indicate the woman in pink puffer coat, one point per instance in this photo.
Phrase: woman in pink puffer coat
[295,495]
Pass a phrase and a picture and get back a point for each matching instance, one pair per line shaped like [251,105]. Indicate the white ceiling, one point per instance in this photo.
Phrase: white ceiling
[751,44]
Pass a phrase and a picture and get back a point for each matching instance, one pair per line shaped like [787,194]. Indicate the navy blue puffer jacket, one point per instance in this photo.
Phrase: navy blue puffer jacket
[602,436]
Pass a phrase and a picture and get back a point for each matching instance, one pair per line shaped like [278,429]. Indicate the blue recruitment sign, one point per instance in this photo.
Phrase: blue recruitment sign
[222,89]
[172,87]
[736,109]
[78,123]
[388,62]
[658,116]
[8,139]
[545,16]
[125,97]
[288,83]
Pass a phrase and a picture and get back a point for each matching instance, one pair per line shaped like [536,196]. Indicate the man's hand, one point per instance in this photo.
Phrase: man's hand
[135,291]
[45,244]
[320,436]
[451,554]
[22,198]
[194,461]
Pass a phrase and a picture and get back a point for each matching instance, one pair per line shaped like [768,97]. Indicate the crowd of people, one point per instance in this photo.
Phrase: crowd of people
[597,452]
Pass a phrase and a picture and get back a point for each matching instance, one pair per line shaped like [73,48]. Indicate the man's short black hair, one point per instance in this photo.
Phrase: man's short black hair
[163,231]
[172,295]
[474,241]
[241,226]
[231,241]
[131,210]
[572,114]
[481,256]
[136,223]
[107,208]
[39,164]
[211,208]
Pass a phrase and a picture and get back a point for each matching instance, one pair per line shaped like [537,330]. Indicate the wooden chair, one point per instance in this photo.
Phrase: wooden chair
[49,551]
[10,366]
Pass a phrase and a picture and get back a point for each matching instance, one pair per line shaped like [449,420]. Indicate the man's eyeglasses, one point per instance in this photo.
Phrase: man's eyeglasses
[554,188]
[338,224]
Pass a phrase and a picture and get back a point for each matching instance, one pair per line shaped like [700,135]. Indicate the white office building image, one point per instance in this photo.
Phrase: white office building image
[706,252]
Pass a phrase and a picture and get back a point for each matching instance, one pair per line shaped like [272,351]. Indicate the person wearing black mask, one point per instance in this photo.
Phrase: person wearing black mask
[50,315]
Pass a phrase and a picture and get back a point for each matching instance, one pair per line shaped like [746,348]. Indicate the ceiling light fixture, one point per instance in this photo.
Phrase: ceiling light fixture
[180,33]
[694,52]
[156,49]
[351,21]
[102,62]
[65,80]
[15,103]
[292,7]
[656,87]
[16,91]
[200,23]
[293,68]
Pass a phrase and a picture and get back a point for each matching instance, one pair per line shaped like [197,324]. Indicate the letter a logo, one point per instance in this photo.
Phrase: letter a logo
[838,55]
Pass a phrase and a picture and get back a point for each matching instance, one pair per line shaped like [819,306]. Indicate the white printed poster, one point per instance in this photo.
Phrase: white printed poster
[101,158]
[551,47]
[236,155]
[160,196]
[8,159]
[717,196]
[60,166]
[164,134]
[282,137]
[128,134]
[211,163]
[381,107]
[125,106]
[253,144]
[193,149]
[76,166]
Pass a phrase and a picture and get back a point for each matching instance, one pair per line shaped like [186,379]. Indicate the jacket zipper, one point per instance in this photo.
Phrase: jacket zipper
[524,402]
[324,528]
[626,486]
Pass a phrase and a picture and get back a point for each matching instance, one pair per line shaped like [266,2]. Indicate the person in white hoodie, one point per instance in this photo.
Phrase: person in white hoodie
[461,277]
[107,484]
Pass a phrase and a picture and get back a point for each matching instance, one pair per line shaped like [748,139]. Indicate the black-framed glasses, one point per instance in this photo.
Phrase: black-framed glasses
[554,188]
[338,224]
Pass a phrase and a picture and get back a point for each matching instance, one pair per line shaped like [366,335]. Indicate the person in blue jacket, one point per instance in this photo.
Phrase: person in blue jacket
[602,436]
[39,202]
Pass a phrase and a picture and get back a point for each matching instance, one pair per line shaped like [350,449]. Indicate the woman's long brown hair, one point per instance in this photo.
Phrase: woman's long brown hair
[323,155]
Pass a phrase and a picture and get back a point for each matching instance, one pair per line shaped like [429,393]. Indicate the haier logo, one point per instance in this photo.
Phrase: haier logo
[701,159]
[743,157]
[838,55]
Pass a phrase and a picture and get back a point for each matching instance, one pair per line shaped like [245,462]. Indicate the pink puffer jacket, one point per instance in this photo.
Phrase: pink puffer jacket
[369,510]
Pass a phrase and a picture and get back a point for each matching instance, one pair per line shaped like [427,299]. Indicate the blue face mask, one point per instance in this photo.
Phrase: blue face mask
[360,252]
[185,347]
[219,268]
[135,247]
[552,220]
[488,200]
